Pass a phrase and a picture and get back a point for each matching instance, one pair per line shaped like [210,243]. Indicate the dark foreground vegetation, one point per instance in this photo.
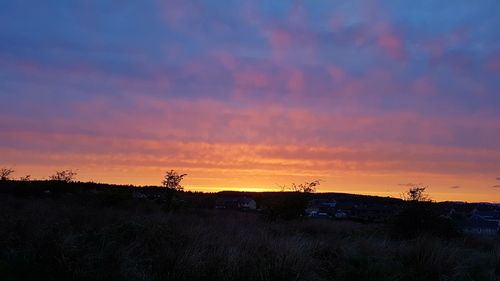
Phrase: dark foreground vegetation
[53,230]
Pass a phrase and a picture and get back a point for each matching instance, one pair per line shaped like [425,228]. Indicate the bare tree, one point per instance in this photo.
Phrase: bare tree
[5,174]
[307,187]
[416,194]
[173,180]
[25,178]
[64,176]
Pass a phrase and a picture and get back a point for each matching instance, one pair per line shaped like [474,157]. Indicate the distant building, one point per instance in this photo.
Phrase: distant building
[139,195]
[340,214]
[247,203]
[242,203]
[493,216]
[321,208]
[475,224]
[372,211]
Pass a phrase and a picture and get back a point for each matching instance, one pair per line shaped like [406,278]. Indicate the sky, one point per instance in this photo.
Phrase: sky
[368,96]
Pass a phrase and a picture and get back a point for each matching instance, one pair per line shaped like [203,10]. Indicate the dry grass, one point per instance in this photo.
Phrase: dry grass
[72,238]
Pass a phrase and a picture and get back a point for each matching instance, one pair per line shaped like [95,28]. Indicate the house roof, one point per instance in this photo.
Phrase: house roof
[488,215]
[476,221]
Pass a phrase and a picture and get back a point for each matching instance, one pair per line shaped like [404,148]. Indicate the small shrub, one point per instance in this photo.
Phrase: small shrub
[5,174]
[417,218]
[64,176]
[25,178]
[287,206]
[172,186]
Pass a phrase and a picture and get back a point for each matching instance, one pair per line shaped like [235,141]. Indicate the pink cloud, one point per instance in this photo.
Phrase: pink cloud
[227,60]
[392,44]
[251,79]
[336,22]
[280,38]
[280,41]
[383,30]
[296,82]
[394,157]
[216,121]
[424,86]
[337,73]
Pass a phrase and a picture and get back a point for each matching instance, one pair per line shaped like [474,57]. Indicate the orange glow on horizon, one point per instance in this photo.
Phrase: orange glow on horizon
[472,189]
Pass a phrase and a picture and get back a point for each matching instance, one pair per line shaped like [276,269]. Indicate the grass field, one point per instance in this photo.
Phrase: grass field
[96,237]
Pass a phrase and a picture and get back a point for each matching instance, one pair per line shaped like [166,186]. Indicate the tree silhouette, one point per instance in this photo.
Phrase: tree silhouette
[173,180]
[5,174]
[418,217]
[172,186]
[416,194]
[64,176]
[306,187]
[25,178]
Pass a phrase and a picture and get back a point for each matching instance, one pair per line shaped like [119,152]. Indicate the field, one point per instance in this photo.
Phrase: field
[100,236]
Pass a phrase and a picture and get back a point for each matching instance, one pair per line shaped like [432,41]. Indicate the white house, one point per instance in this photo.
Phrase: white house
[247,203]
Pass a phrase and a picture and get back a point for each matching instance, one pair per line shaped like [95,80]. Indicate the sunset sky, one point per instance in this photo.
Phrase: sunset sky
[367,96]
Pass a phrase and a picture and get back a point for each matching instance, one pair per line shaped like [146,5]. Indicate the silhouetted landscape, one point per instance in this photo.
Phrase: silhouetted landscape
[58,230]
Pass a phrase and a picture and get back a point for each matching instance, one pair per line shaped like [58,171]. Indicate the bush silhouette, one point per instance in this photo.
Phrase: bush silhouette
[172,186]
[418,218]
[292,204]
[288,205]
[5,174]
[64,176]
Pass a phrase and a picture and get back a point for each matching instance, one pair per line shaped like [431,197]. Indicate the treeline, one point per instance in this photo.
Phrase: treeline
[410,219]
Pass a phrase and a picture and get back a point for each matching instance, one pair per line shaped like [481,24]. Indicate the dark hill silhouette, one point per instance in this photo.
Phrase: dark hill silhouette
[52,230]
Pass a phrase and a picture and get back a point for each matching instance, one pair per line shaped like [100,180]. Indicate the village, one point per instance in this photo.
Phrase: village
[472,218]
